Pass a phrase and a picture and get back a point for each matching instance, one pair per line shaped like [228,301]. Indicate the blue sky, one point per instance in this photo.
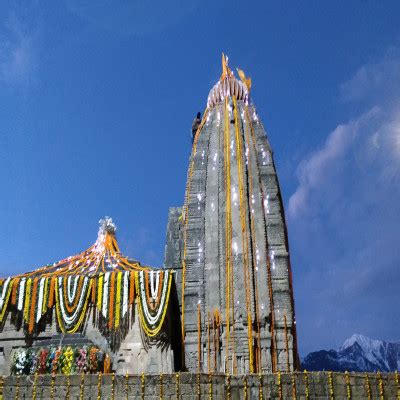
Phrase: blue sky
[96,104]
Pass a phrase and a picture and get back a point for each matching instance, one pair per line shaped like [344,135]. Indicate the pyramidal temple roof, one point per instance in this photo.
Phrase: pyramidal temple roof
[103,256]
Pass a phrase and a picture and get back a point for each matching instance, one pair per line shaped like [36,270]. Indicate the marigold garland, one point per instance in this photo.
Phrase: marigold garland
[34,389]
[99,381]
[52,386]
[142,385]
[368,387]
[68,384]
[178,383]
[6,288]
[280,393]
[82,386]
[198,387]
[245,387]
[118,299]
[112,293]
[14,290]
[330,382]
[100,276]
[381,389]
[27,300]
[17,390]
[67,360]
[113,386]
[111,305]
[71,323]
[51,292]
[228,386]
[152,324]
[348,388]
[100,292]
[210,387]
[132,288]
[306,384]
[1,386]
[294,390]
[161,387]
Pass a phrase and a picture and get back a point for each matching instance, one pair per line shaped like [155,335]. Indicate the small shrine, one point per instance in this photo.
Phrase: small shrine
[95,311]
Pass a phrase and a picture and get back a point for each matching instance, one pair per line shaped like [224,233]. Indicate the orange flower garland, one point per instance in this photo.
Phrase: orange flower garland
[15,283]
[112,299]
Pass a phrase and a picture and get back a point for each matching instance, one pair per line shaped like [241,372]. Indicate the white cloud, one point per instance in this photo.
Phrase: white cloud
[344,218]
[17,53]
[323,164]
[379,79]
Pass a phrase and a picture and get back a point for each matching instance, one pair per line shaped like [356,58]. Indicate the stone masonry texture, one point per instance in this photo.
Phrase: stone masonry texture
[297,385]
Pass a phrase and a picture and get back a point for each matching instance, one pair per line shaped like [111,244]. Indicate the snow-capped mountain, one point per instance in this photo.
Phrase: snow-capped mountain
[358,353]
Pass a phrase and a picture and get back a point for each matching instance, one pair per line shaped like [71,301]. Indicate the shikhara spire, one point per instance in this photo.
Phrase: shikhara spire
[231,243]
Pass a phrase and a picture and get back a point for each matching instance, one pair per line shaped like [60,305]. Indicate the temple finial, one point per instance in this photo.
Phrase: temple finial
[244,79]
[225,69]
[107,225]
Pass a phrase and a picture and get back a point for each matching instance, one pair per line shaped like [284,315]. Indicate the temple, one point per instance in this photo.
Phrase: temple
[97,300]
[222,302]
[229,243]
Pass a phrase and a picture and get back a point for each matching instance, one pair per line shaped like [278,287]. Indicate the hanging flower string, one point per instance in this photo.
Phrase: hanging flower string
[100,276]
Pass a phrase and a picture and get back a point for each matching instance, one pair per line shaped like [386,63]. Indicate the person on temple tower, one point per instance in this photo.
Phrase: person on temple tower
[195,125]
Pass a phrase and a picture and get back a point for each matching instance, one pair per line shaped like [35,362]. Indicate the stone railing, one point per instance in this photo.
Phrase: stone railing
[297,385]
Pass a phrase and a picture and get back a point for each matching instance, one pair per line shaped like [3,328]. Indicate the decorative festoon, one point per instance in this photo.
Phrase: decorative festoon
[100,277]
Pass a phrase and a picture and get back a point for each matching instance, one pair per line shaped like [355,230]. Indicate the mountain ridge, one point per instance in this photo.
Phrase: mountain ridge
[358,353]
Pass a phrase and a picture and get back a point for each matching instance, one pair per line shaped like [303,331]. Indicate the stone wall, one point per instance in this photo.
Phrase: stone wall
[135,353]
[312,385]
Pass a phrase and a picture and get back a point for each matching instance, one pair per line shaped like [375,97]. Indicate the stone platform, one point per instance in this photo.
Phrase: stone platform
[297,385]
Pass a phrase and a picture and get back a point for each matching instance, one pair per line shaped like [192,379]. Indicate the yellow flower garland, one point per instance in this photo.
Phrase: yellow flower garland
[348,389]
[81,317]
[306,383]
[210,387]
[118,300]
[294,391]
[67,362]
[151,332]
[82,386]
[368,387]
[17,390]
[27,299]
[330,381]
[280,385]
[381,389]
[161,387]
[6,299]
[53,378]
[260,389]
[142,385]
[178,387]
[99,380]
[228,386]
[34,389]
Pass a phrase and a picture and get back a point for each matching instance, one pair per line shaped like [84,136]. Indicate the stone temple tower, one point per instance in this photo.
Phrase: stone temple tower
[229,244]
